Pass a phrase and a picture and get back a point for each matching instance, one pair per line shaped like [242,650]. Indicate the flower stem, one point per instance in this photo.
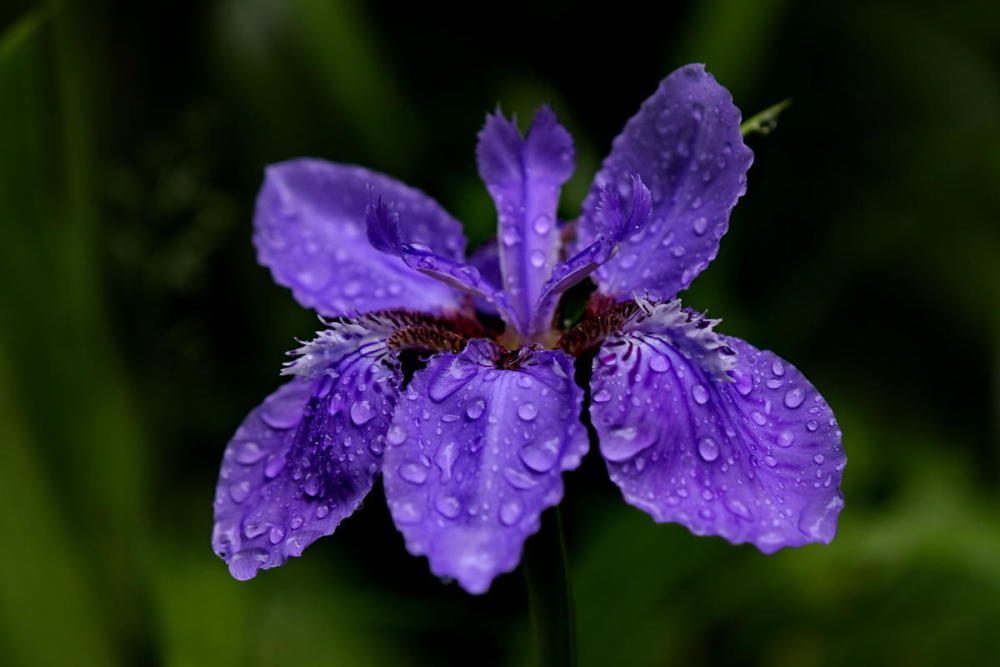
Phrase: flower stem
[552,622]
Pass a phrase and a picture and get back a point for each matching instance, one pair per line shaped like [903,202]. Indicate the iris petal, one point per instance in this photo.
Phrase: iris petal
[754,459]
[685,144]
[305,458]
[309,229]
[476,453]
[524,176]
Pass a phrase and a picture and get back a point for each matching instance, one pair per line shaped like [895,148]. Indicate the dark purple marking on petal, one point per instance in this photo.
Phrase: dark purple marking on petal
[309,229]
[303,461]
[756,460]
[524,176]
[686,145]
[475,454]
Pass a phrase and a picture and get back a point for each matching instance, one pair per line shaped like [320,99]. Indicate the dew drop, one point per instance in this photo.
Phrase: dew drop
[396,435]
[540,457]
[249,453]
[448,506]
[518,479]
[708,448]
[537,259]
[770,461]
[276,534]
[812,425]
[818,459]
[510,512]
[699,394]
[744,384]
[275,464]
[527,411]
[239,491]
[794,397]
[659,363]
[362,413]
[785,439]
[450,379]
[700,225]
[758,418]
[475,409]
[542,224]
[739,509]
[322,511]
[414,473]
[602,396]
[629,260]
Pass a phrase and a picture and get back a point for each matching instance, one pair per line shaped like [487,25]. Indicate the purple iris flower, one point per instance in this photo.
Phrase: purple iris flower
[696,427]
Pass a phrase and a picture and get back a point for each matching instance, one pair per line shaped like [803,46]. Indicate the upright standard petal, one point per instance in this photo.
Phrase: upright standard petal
[524,177]
[755,460]
[305,459]
[310,231]
[686,146]
[475,453]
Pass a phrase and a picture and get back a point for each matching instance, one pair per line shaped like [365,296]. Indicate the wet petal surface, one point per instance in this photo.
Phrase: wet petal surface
[686,146]
[755,460]
[302,461]
[309,229]
[475,453]
[524,176]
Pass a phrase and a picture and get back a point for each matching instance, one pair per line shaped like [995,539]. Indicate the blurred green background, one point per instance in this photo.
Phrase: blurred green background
[136,329]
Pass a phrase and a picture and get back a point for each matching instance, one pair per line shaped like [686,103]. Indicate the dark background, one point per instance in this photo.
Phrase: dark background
[136,329]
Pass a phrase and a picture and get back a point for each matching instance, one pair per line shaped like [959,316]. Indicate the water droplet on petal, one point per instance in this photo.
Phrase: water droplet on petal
[448,506]
[475,409]
[276,534]
[239,491]
[280,414]
[540,457]
[518,479]
[744,384]
[700,225]
[406,512]
[777,367]
[362,413]
[414,473]
[527,411]
[739,509]
[450,379]
[249,453]
[542,224]
[396,435]
[659,363]
[510,512]
[700,394]
[602,396]
[794,397]
[708,448]
[812,425]
[275,464]
[624,442]
[785,439]
[537,258]
[758,418]
[322,511]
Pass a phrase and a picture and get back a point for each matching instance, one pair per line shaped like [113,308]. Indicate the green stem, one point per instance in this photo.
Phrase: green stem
[549,597]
